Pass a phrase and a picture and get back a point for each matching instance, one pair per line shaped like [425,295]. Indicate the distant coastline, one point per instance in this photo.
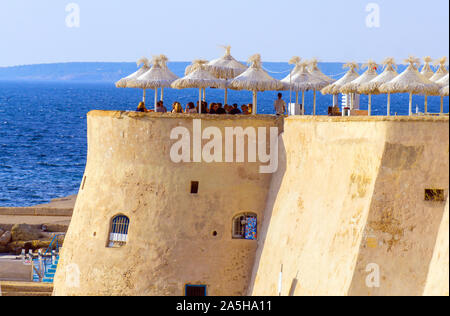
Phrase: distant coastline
[105,72]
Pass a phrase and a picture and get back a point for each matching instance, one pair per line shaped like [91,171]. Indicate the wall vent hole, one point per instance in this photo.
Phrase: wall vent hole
[194,187]
[434,195]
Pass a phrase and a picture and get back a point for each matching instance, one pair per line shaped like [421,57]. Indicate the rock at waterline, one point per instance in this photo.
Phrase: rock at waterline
[24,232]
[5,238]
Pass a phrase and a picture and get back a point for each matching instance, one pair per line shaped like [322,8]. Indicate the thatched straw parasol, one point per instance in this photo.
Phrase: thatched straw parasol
[335,88]
[412,82]
[255,79]
[163,61]
[314,69]
[123,83]
[442,70]
[426,71]
[351,75]
[444,93]
[387,75]
[156,77]
[352,87]
[225,67]
[302,80]
[443,82]
[199,78]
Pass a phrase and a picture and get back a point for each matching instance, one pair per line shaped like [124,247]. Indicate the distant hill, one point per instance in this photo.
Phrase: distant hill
[111,72]
[81,72]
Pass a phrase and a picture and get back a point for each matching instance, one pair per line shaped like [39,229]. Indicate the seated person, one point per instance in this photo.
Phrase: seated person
[141,107]
[245,109]
[177,108]
[191,108]
[235,110]
[220,109]
[160,108]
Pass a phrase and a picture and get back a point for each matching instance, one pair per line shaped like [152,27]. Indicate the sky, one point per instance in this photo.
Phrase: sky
[49,31]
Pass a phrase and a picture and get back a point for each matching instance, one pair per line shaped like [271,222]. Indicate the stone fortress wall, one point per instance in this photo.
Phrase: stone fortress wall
[347,199]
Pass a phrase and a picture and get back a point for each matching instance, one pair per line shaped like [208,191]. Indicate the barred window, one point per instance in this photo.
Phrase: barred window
[244,226]
[118,235]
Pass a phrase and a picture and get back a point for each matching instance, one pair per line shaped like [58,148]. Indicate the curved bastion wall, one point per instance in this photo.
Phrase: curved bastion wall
[175,237]
[346,212]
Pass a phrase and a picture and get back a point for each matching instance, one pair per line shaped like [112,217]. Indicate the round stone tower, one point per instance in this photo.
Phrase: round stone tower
[180,230]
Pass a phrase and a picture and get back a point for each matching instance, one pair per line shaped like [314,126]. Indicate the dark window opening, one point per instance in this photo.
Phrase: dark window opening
[434,195]
[194,187]
[195,290]
[214,233]
[245,226]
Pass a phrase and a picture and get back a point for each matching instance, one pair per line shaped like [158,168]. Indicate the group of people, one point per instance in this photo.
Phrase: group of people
[191,108]
[213,108]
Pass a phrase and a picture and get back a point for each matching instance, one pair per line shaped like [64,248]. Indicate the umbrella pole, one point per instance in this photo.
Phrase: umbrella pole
[410,103]
[296,98]
[156,97]
[254,102]
[426,105]
[226,96]
[162,94]
[143,97]
[389,105]
[442,105]
[314,111]
[204,94]
[200,101]
[303,101]
[370,105]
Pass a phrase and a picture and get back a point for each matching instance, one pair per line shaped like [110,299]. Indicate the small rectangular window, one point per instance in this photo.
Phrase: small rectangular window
[194,187]
[434,195]
[195,290]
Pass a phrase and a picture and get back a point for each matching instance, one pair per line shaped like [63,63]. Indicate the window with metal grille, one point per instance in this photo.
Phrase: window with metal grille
[118,235]
[195,290]
[245,226]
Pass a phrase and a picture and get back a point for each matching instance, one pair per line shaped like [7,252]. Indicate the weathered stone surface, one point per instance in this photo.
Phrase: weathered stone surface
[25,232]
[1,231]
[5,238]
[16,247]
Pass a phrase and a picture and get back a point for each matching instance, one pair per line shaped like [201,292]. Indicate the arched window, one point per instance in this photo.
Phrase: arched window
[118,235]
[244,226]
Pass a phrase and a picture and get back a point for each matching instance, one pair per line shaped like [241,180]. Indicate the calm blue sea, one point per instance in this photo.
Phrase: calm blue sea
[43,127]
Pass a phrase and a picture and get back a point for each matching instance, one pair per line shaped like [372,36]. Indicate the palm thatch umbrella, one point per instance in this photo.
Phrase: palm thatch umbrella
[255,79]
[444,92]
[426,71]
[351,75]
[314,69]
[163,61]
[225,67]
[412,82]
[123,83]
[442,70]
[387,75]
[199,78]
[352,87]
[155,78]
[443,82]
[302,80]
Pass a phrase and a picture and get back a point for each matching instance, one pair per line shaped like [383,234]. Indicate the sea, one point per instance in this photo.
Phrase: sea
[43,141]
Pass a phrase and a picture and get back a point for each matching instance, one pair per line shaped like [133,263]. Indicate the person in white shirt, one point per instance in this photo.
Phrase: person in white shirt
[280,105]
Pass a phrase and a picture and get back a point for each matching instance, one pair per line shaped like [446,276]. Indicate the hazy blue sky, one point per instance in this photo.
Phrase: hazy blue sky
[112,30]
